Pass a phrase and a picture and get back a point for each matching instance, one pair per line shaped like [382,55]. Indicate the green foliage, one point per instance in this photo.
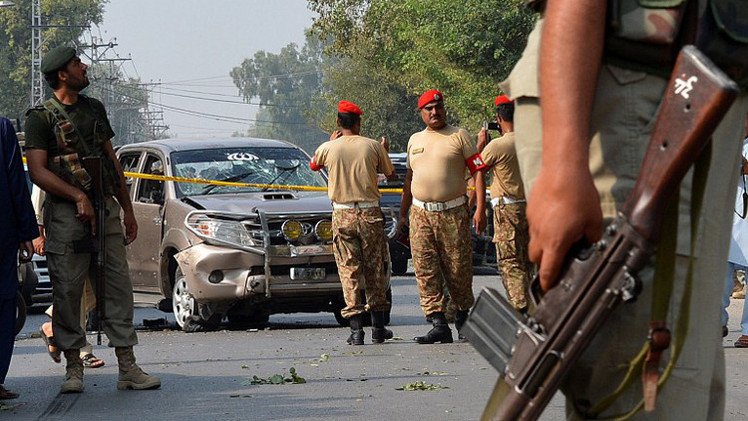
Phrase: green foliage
[15,43]
[420,385]
[279,379]
[462,48]
[288,85]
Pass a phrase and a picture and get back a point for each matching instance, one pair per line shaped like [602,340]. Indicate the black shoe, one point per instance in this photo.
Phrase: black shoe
[379,334]
[356,338]
[357,332]
[438,333]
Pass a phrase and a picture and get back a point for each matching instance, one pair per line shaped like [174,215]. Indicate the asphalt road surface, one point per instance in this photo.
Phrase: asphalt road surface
[208,376]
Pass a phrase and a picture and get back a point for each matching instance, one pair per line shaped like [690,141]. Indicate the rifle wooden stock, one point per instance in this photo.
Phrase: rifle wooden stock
[596,279]
[93,166]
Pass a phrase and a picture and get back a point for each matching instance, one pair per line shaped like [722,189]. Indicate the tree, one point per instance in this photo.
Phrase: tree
[15,43]
[288,86]
[462,48]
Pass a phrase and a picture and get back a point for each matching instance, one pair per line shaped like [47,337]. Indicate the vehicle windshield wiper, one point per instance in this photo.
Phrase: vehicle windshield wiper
[209,188]
[284,171]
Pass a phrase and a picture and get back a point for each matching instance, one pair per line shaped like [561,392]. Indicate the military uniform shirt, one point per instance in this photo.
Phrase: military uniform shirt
[437,159]
[501,155]
[90,120]
[352,163]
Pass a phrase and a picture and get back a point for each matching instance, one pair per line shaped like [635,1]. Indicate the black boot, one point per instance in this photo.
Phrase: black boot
[460,319]
[439,333]
[378,332]
[357,332]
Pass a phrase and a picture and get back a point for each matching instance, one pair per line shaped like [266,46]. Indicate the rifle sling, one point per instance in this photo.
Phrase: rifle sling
[662,291]
[60,115]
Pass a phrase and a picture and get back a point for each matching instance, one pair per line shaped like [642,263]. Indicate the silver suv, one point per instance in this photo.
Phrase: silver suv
[207,251]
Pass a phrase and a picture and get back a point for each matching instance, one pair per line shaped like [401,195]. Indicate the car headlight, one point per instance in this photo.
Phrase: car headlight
[220,230]
[323,230]
[292,230]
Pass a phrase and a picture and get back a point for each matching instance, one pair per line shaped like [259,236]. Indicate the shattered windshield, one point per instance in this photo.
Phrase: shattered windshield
[278,166]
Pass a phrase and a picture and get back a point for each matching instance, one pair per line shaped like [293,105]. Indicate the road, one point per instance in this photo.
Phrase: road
[207,375]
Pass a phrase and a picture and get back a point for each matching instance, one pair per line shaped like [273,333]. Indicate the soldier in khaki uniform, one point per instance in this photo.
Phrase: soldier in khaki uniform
[508,200]
[580,149]
[59,134]
[434,193]
[359,241]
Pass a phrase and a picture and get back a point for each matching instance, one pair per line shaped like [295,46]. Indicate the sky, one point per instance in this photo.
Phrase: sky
[188,48]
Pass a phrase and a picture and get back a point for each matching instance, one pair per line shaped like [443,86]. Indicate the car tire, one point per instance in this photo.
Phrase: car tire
[399,265]
[243,320]
[342,321]
[20,313]
[187,311]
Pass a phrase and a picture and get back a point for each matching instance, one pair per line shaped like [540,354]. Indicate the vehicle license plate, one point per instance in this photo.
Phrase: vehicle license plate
[312,249]
[314,274]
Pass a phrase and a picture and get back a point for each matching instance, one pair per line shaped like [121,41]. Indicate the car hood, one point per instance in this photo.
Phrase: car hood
[270,202]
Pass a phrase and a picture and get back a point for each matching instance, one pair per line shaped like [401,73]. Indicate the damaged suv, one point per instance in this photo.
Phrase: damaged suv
[245,248]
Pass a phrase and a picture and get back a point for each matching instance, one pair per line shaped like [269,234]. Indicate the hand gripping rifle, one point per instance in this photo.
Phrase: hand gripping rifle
[98,249]
[534,354]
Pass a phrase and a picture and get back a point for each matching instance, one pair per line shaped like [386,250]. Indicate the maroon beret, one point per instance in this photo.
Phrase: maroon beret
[349,107]
[429,96]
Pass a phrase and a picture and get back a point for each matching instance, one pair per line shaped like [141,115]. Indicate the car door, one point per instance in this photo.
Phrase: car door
[148,201]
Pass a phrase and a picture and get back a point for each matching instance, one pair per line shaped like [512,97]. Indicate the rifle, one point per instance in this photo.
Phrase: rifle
[534,354]
[98,251]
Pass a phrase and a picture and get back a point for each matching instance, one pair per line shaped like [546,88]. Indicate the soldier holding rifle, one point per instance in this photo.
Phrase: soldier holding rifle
[62,132]
[580,151]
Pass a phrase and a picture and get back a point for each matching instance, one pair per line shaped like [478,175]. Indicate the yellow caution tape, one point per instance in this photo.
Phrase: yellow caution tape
[236,183]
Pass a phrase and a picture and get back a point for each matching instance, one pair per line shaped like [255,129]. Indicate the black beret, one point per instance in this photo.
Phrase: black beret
[57,58]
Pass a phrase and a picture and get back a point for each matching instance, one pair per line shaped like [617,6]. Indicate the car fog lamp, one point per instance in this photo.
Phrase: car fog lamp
[323,230]
[215,277]
[292,230]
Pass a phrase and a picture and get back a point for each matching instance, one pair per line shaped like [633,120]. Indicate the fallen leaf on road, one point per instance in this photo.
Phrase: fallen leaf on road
[419,385]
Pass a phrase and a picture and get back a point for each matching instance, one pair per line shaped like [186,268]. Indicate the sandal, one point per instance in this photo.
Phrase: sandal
[90,361]
[742,342]
[50,342]
[6,394]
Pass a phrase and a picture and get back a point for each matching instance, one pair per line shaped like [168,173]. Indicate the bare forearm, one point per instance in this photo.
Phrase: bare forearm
[52,184]
[480,190]
[571,53]
[407,198]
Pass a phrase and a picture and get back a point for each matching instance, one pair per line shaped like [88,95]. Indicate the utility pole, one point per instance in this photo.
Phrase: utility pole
[37,86]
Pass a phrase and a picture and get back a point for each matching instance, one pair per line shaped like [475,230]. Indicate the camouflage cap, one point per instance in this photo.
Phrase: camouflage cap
[57,58]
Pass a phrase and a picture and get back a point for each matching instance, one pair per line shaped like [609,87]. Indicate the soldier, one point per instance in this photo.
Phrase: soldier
[67,128]
[359,242]
[434,193]
[580,149]
[508,201]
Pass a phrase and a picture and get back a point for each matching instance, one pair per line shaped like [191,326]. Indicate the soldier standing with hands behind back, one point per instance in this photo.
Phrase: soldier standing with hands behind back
[439,222]
[67,128]
[359,242]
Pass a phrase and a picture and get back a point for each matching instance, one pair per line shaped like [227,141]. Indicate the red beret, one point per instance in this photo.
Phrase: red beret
[349,107]
[501,99]
[429,96]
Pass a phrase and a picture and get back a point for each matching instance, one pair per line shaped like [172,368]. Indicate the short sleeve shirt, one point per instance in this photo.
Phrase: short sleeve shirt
[502,157]
[437,159]
[89,118]
[353,163]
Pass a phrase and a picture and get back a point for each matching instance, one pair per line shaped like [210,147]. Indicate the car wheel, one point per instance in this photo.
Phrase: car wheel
[342,321]
[254,319]
[399,265]
[20,312]
[182,302]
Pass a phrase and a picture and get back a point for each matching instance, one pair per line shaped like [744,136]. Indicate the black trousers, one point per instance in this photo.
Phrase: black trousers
[7,334]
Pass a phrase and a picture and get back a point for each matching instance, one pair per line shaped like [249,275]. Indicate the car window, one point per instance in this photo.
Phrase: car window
[129,162]
[266,165]
[151,191]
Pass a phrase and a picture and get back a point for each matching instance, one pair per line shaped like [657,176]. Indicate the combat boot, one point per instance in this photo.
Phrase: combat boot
[460,319]
[357,331]
[378,332]
[439,333]
[73,372]
[130,375]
